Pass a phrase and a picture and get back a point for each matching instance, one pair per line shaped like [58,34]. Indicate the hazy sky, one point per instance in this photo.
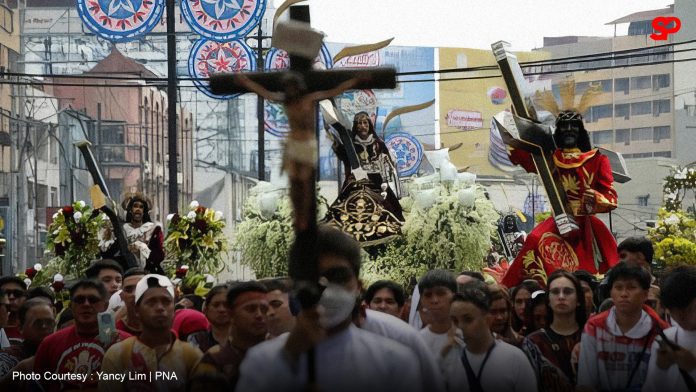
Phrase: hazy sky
[470,23]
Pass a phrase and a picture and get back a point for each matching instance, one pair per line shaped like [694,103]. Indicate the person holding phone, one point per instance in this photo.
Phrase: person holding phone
[672,364]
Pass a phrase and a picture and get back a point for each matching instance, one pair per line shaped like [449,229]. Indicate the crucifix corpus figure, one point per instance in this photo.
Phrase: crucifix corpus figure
[299,90]
[301,148]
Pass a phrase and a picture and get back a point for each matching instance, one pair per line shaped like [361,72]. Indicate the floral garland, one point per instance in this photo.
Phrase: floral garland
[73,237]
[264,237]
[73,241]
[195,242]
[453,233]
[675,186]
[674,236]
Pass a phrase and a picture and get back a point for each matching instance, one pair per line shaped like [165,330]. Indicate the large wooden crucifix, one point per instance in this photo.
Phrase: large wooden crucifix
[522,130]
[299,90]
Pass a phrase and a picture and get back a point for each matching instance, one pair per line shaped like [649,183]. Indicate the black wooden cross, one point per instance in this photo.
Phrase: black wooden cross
[299,90]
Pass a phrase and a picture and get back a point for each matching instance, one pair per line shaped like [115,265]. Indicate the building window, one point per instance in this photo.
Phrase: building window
[641,108]
[621,85]
[642,27]
[606,85]
[642,200]
[663,154]
[602,137]
[661,133]
[6,19]
[641,82]
[638,134]
[581,87]
[622,110]
[623,136]
[643,155]
[660,81]
[661,106]
[599,112]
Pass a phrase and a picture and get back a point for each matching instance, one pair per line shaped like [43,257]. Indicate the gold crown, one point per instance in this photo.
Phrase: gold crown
[546,100]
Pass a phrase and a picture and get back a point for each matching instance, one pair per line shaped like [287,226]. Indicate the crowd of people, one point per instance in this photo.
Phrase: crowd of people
[629,331]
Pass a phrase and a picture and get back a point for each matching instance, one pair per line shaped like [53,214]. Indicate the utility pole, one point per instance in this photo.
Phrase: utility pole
[260,112]
[171,108]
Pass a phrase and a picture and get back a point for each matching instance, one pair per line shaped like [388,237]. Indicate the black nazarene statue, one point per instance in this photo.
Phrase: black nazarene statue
[367,207]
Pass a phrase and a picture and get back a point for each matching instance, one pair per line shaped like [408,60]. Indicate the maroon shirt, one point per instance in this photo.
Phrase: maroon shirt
[66,352]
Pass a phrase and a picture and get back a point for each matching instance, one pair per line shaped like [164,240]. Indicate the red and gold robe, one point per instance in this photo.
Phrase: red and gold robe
[594,249]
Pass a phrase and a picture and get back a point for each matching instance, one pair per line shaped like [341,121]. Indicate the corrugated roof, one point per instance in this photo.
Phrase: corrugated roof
[644,15]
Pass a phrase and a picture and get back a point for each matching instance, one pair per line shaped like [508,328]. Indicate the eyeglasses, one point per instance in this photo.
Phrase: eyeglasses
[47,323]
[567,291]
[16,293]
[91,299]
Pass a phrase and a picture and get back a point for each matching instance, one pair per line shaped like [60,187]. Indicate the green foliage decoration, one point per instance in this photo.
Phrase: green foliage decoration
[264,236]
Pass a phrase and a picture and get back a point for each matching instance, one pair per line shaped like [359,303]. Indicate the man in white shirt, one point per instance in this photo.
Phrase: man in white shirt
[674,368]
[346,358]
[437,288]
[394,328]
[485,364]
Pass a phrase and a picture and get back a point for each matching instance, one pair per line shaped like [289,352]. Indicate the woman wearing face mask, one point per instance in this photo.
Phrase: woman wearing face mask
[550,349]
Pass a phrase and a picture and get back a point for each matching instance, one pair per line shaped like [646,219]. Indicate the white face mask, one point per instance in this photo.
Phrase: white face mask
[337,304]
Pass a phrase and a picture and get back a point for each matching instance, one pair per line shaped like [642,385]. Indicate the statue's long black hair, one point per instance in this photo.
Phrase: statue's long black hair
[146,209]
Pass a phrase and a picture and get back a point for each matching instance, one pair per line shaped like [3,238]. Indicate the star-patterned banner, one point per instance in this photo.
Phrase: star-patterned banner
[407,150]
[209,57]
[222,20]
[120,20]
[276,59]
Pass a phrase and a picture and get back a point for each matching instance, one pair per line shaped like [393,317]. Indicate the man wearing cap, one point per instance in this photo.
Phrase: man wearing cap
[73,355]
[156,355]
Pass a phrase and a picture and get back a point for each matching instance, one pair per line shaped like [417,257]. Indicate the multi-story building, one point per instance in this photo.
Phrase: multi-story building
[130,132]
[634,114]
[647,106]
[9,52]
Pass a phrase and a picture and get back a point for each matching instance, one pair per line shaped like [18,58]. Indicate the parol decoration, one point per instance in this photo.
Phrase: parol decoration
[407,150]
[120,20]
[275,119]
[209,57]
[222,20]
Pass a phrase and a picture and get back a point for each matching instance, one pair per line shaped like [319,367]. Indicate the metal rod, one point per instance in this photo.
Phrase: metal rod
[171,107]
[261,146]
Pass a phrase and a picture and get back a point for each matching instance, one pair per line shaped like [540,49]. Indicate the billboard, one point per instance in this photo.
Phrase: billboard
[468,103]
[379,103]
